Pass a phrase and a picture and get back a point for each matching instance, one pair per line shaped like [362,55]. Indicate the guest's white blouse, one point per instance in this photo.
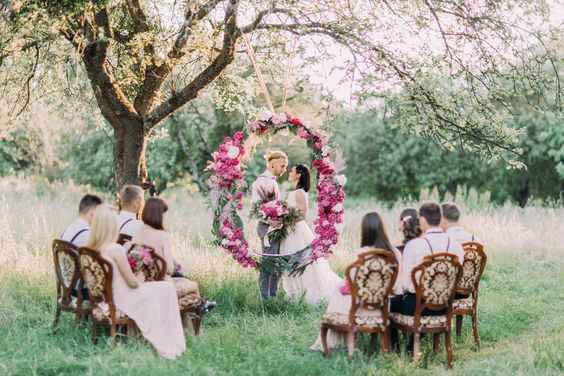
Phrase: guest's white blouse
[128,223]
[77,233]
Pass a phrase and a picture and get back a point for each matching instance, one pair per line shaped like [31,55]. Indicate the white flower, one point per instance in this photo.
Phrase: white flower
[341,180]
[340,227]
[233,152]
[265,116]
[237,242]
[279,119]
[224,242]
[338,208]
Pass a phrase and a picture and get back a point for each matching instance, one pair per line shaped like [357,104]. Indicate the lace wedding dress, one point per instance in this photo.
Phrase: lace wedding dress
[318,281]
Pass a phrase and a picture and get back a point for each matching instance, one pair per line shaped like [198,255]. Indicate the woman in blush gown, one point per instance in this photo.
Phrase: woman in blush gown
[152,305]
[318,281]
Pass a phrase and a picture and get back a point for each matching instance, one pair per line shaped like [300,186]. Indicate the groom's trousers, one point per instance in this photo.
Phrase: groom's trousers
[268,279]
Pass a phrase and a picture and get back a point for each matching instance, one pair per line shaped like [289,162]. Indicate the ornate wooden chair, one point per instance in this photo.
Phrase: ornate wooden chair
[371,279]
[67,272]
[189,304]
[123,238]
[435,281]
[467,289]
[97,274]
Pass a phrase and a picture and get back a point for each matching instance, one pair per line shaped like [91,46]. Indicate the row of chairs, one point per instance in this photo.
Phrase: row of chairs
[438,280]
[74,266]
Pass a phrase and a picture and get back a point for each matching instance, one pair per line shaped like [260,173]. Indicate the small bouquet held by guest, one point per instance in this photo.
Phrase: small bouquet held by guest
[140,258]
[280,218]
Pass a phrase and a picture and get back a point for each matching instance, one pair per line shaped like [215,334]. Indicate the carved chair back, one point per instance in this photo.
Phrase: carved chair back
[472,268]
[435,281]
[67,269]
[371,279]
[97,274]
[155,271]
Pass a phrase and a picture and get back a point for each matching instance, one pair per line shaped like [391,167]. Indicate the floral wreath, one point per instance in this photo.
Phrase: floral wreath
[227,185]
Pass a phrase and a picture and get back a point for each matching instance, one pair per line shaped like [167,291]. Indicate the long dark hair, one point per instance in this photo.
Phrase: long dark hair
[305,180]
[153,212]
[411,226]
[373,233]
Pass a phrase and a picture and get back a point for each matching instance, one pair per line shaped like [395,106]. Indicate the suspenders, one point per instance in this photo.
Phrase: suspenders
[431,247]
[77,235]
[124,223]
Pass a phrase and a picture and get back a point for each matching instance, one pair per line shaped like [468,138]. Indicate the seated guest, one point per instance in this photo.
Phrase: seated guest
[153,234]
[373,235]
[152,305]
[409,226]
[131,198]
[78,232]
[433,240]
[450,223]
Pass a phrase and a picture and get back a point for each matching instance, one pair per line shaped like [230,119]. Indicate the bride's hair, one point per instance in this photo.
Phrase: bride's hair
[374,233]
[305,180]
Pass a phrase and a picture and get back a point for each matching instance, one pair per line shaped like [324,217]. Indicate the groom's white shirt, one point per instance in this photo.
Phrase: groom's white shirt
[265,184]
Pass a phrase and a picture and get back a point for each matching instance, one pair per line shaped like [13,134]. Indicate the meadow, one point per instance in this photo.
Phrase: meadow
[520,312]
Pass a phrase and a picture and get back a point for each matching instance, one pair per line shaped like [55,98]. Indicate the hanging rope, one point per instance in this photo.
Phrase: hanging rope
[288,74]
[262,84]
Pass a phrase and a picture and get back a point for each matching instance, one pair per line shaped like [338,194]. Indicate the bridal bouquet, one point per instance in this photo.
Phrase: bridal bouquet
[139,258]
[281,218]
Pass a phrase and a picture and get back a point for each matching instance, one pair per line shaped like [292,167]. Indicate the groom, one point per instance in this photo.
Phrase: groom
[265,189]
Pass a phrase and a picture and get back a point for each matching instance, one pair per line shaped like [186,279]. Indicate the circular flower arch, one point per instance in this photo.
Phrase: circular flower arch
[227,185]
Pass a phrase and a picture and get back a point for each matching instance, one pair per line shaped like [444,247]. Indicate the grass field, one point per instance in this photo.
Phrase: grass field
[521,304]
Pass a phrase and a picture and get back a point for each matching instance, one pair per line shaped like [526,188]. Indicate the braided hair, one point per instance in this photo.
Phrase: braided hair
[411,227]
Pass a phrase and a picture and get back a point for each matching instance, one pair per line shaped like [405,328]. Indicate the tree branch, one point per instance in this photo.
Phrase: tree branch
[225,57]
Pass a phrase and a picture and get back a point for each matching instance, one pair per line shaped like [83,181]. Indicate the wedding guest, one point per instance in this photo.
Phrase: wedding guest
[132,200]
[152,305]
[409,226]
[450,223]
[433,240]
[153,234]
[77,233]
[373,235]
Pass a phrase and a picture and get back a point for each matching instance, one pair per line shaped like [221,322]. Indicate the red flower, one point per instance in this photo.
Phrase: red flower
[295,121]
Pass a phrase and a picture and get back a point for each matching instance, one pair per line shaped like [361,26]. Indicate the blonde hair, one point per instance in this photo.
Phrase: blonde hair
[275,154]
[130,195]
[104,229]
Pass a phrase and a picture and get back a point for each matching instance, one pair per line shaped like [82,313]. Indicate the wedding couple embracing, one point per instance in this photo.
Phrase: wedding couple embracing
[317,281]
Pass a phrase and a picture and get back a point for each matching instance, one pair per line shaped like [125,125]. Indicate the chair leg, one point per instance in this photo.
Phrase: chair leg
[448,345]
[323,334]
[57,317]
[416,346]
[459,319]
[436,343]
[94,332]
[113,331]
[373,343]
[475,329]
[385,340]
[350,344]
[196,323]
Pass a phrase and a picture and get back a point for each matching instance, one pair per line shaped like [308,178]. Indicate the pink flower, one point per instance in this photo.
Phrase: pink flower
[279,119]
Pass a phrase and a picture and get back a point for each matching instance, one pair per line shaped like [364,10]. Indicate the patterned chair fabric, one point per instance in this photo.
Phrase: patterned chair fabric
[65,256]
[189,302]
[373,280]
[374,321]
[94,275]
[473,266]
[463,304]
[426,322]
[438,281]
[102,313]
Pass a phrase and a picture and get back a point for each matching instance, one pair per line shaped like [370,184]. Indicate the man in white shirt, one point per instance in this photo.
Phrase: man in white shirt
[265,189]
[132,201]
[77,233]
[433,240]
[450,223]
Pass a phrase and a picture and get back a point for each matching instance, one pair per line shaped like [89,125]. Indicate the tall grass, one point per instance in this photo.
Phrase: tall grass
[520,303]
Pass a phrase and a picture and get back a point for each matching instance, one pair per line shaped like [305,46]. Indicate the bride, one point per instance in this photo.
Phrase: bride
[318,281]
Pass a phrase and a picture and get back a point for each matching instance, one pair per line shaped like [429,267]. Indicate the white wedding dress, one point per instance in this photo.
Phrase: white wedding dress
[318,281]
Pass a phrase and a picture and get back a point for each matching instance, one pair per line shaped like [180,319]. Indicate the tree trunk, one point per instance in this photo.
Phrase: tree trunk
[130,145]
